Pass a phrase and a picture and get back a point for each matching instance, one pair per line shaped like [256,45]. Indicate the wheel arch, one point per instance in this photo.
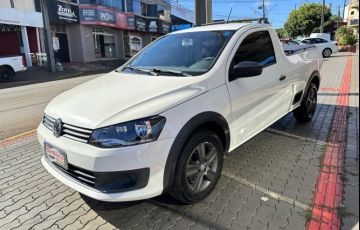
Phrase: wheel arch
[8,67]
[206,120]
[314,78]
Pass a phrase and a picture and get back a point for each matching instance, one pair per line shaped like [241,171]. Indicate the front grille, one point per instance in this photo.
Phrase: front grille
[69,131]
[84,176]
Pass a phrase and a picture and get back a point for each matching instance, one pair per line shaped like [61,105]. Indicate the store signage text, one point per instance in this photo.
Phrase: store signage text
[67,13]
[98,15]
[61,12]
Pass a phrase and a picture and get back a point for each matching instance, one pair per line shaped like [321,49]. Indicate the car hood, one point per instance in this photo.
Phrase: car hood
[118,97]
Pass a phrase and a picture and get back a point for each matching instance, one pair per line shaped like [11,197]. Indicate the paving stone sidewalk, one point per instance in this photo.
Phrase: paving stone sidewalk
[267,183]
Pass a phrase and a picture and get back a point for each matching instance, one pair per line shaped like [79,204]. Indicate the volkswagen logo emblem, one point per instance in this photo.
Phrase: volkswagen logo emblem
[58,127]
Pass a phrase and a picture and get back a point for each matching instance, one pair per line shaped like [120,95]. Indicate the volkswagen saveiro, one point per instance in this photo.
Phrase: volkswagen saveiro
[163,122]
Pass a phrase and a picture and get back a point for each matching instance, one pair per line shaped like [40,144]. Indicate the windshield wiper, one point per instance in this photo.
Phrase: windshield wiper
[178,73]
[139,70]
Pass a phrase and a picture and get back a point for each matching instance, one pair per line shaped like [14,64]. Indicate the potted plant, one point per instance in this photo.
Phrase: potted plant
[347,39]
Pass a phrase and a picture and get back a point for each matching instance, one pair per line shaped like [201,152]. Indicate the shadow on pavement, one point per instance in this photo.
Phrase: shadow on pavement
[286,163]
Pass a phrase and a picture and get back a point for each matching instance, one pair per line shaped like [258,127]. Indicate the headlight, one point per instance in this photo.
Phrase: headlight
[129,133]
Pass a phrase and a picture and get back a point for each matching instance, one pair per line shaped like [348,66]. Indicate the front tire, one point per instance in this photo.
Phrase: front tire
[198,168]
[327,52]
[307,109]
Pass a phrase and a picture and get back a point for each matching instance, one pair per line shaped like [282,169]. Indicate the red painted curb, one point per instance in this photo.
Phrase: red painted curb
[328,190]
[17,138]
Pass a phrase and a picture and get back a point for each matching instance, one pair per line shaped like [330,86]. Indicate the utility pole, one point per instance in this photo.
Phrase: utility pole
[263,9]
[338,19]
[203,12]
[322,17]
[47,37]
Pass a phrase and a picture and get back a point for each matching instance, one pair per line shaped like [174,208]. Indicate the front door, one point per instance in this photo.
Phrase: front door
[257,101]
[62,53]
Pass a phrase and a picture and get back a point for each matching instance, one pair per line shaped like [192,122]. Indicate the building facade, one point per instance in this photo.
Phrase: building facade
[351,14]
[20,29]
[181,17]
[98,30]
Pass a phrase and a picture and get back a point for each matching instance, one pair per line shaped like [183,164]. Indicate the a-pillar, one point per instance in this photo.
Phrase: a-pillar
[25,41]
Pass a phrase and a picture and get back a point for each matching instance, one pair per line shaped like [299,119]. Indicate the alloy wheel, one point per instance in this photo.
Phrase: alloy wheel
[311,102]
[202,167]
[327,53]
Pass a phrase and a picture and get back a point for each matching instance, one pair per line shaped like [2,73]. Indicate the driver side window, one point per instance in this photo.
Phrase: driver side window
[256,47]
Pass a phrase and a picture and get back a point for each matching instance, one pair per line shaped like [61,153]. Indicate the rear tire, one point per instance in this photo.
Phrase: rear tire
[327,52]
[198,168]
[6,74]
[307,109]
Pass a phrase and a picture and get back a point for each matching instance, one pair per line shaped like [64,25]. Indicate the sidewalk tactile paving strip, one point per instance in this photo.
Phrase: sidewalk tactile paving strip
[268,183]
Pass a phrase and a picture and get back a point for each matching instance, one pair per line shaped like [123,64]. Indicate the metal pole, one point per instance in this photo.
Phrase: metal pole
[203,12]
[263,8]
[338,20]
[47,37]
[322,17]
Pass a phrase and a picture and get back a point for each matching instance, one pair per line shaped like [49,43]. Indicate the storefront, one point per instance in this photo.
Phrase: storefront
[146,31]
[19,31]
[107,30]
[62,16]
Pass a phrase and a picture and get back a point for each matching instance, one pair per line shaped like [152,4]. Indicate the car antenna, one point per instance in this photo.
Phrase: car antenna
[229,15]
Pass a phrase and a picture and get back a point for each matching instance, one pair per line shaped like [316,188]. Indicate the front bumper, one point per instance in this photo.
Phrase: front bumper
[151,157]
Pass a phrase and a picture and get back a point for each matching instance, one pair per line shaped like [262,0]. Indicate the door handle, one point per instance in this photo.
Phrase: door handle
[282,78]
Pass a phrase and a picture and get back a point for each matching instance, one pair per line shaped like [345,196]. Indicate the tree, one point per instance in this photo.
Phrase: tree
[281,33]
[346,36]
[303,21]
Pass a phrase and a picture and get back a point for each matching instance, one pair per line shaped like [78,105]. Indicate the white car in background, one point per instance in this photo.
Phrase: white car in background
[326,46]
[9,65]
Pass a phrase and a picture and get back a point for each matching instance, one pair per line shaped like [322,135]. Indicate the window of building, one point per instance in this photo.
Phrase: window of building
[352,12]
[143,9]
[152,10]
[72,1]
[114,4]
[256,47]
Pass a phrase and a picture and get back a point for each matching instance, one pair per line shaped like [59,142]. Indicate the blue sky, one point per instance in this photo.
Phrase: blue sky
[278,10]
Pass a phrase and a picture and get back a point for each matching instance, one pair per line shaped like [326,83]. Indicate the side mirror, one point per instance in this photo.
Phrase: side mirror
[246,69]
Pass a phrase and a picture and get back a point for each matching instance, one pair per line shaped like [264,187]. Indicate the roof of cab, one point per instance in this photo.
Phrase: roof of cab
[219,27]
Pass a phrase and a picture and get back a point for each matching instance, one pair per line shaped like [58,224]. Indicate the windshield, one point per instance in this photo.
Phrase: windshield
[182,54]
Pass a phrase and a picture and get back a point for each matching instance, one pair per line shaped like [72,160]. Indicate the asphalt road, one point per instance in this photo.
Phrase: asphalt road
[21,108]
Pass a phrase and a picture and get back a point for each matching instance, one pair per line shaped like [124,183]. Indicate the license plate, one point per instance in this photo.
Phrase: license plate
[56,155]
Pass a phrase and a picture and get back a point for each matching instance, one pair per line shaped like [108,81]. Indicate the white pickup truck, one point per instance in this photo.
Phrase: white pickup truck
[9,65]
[164,121]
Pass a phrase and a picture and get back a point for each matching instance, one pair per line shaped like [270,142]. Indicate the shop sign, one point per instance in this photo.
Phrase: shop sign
[136,44]
[140,24]
[152,25]
[164,27]
[13,16]
[125,20]
[61,12]
[98,15]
